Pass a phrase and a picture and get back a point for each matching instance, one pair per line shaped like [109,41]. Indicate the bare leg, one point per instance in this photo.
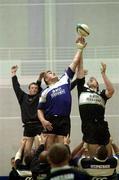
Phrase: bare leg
[59,139]
[28,145]
[50,140]
[36,142]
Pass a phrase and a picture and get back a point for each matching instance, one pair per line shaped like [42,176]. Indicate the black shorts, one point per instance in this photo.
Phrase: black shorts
[32,129]
[96,133]
[61,125]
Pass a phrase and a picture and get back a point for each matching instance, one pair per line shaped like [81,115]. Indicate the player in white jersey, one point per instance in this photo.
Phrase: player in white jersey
[100,166]
[92,107]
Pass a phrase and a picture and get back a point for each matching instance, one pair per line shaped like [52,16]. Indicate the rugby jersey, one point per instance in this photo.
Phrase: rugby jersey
[91,103]
[28,103]
[56,98]
[98,168]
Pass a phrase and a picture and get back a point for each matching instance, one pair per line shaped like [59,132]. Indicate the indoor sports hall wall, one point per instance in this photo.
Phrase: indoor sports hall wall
[40,34]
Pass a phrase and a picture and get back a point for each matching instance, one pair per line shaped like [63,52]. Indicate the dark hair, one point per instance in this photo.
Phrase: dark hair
[33,83]
[102,152]
[58,153]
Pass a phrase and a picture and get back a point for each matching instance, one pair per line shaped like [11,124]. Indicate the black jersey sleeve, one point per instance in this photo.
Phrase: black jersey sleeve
[80,85]
[38,152]
[103,95]
[38,82]
[73,84]
[35,159]
[18,91]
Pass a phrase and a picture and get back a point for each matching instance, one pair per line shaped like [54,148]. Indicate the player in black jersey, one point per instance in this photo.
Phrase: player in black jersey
[92,103]
[28,105]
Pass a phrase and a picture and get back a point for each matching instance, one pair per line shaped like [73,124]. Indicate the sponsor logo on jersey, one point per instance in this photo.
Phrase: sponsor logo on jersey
[89,98]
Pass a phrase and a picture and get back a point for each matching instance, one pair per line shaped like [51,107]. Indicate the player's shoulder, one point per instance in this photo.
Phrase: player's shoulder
[45,91]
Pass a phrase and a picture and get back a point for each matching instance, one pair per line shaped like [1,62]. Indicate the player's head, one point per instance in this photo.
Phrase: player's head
[50,77]
[93,83]
[101,152]
[43,156]
[33,88]
[58,155]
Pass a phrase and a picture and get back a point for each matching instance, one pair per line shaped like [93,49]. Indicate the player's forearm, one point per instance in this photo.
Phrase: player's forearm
[77,149]
[41,115]
[76,60]
[20,150]
[108,84]
[115,148]
[80,69]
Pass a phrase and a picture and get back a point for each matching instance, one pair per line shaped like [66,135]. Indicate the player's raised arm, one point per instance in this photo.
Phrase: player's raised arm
[109,87]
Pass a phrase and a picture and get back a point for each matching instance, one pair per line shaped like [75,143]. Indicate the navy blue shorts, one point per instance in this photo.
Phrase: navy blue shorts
[61,125]
[96,132]
[32,129]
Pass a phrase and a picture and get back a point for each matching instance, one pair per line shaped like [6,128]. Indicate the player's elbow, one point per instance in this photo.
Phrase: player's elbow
[111,92]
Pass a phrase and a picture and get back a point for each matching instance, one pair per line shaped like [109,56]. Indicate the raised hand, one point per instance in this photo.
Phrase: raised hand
[14,69]
[41,76]
[80,42]
[103,67]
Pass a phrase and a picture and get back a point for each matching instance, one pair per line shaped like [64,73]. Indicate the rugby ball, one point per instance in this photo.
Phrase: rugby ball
[83,29]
